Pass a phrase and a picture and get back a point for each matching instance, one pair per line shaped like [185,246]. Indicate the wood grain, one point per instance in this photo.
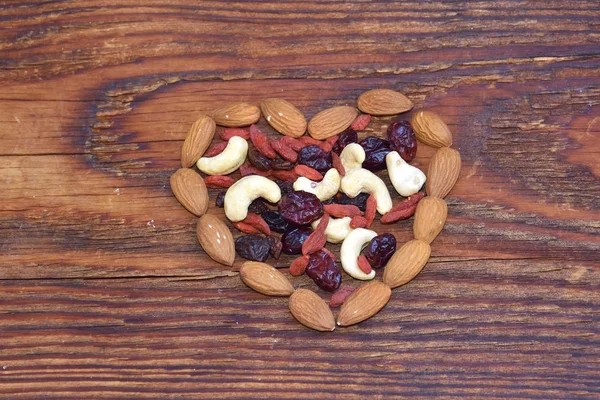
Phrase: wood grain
[106,293]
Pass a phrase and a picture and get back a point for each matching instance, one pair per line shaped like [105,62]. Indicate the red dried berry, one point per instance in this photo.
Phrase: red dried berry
[284,151]
[298,266]
[403,139]
[219,181]
[215,150]
[393,216]
[245,228]
[358,222]
[317,240]
[328,252]
[308,172]
[364,265]
[342,210]
[324,271]
[361,122]
[337,163]
[371,209]
[257,222]
[340,296]
[247,169]
[288,176]
[261,142]
[293,143]
[310,141]
[300,207]
[228,133]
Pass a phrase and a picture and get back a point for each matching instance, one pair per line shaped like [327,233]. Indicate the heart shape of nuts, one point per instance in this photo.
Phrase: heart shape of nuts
[315,189]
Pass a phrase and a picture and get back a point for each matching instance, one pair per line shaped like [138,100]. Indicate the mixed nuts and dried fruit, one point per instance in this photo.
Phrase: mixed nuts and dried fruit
[299,192]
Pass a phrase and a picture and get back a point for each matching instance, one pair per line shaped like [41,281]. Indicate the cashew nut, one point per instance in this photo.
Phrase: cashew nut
[337,229]
[228,160]
[351,247]
[326,189]
[352,156]
[360,180]
[407,180]
[243,192]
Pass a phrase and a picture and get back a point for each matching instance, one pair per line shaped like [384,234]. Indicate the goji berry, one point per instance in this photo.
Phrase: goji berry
[371,209]
[364,265]
[308,172]
[247,169]
[358,222]
[393,216]
[298,266]
[361,122]
[219,181]
[317,240]
[293,143]
[257,222]
[342,210]
[284,151]
[228,133]
[340,296]
[215,150]
[337,163]
[289,176]
[261,142]
[310,141]
[245,228]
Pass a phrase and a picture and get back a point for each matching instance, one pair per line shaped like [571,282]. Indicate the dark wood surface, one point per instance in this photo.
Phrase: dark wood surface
[105,292]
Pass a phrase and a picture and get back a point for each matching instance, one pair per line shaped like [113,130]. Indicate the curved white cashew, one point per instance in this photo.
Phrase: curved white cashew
[352,156]
[326,189]
[351,247]
[407,180]
[239,196]
[228,160]
[360,180]
[337,229]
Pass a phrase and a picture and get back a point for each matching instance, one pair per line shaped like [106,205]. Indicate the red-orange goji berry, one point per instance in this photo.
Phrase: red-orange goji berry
[397,215]
[340,296]
[215,149]
[261,142]
[228,133]
[337,163]
[246,228]
[284,151]
[219,181]
[282,175]
[308,172]
[310,141]
[257,222]
[316,240]
[361,122]
[371,209]
[358,222]
[342,210]
[364,265]
[293,143]
[298,266]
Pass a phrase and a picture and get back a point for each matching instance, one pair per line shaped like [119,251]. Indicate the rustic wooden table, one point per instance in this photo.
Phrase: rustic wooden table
[107,294]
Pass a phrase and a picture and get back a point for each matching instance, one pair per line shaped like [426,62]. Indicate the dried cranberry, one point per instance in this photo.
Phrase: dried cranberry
[282,165]
[276,222]
[323,269]
[345,138]
[258,206]
[301,207]
[292,240]
[285,186]
[375,151]
[402,139]
[276,246]
[315,157]
[380,249]
[253,247]
[220,201]
[258,160]
[359,201]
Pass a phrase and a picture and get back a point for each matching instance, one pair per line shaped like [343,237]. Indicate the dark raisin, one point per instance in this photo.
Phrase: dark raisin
[323,269]
[285,186]
[258,160]
[402,139]
[300,208]
[380,249]
[281,164]
[253,247]
[258,206]
[292,240]
[375,151]
[345,138]
[220,201]
[359,201]
[276,222]
[276,246]
[315,157]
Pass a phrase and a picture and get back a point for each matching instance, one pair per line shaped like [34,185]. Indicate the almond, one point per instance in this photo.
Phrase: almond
[265,279]
[283,117]
[189,189]
[332,121]
[197,141]
[406,263]
[236,115]
[384,102]
[363,303]
[443,171]
[215,238]
[431,130]
[430,218]
[311,310]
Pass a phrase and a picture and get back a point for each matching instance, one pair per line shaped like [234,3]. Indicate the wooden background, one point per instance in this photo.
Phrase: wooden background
[105,292]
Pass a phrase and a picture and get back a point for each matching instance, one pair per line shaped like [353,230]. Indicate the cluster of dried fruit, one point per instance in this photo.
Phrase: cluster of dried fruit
[303,201]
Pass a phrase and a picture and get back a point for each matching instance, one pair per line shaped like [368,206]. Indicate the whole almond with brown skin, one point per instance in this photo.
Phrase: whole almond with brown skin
[384,102]
[431,130]
[190,190]
[332,121]
[406,263]
[363,303]
[197,141]
[236,115]
[430,218]
[265,279]
[283,117]
[216,239]
[311,310]
[443,171]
